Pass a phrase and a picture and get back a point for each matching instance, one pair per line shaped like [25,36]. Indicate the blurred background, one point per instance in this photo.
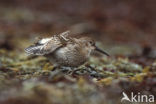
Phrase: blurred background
[126,29]
[110,21]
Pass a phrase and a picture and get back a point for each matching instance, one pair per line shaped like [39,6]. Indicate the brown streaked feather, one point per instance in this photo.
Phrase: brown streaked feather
[50,46]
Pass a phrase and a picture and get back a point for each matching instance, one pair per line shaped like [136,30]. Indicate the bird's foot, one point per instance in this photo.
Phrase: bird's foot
[67,70]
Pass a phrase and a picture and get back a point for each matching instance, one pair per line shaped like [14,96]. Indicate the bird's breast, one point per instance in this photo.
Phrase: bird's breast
[69,56]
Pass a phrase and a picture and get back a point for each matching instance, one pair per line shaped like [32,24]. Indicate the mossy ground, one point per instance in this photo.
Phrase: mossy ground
[25,79]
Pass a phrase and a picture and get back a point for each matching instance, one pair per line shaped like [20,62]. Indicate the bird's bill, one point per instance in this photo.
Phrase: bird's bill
[101,51]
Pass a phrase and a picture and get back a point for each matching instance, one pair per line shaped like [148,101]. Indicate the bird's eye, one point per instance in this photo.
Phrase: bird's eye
[91,42]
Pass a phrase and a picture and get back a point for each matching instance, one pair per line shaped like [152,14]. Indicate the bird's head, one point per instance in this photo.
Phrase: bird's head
[90,45]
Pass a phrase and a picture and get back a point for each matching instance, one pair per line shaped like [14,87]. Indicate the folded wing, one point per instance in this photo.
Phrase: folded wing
[48,45]
[42,48]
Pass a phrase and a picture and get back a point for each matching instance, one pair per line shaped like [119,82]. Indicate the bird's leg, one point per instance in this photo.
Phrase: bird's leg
[67,70]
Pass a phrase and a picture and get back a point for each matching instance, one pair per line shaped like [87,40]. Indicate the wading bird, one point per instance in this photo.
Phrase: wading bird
[63,50]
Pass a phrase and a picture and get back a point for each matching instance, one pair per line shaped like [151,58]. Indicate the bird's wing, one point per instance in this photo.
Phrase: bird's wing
[52,45]
[65,35]
[47,47]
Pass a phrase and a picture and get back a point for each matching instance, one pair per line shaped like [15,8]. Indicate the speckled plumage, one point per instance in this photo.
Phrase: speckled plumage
[71,55]
[63,50]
